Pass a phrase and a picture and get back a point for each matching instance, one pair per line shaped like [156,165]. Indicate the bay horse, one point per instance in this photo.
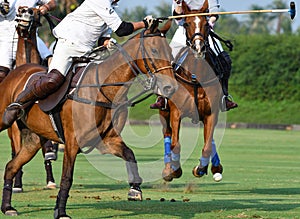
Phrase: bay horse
[94,113]
[197,97]
[27,22]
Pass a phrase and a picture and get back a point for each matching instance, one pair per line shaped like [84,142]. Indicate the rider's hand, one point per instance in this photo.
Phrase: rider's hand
[44,9]
[212,21]
[148,21]
[111,43]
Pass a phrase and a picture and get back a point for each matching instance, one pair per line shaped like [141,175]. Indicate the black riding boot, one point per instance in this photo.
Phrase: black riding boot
[225,61]
[3,72]
[40,88]
[227,101]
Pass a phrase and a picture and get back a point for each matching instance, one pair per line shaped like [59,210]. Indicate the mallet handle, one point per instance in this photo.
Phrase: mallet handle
[231,12]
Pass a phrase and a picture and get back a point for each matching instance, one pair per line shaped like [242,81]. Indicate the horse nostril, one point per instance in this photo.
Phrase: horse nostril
[168,90]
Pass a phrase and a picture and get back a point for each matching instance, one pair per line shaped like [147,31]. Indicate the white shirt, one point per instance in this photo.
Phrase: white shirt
[213,5]
[92,19]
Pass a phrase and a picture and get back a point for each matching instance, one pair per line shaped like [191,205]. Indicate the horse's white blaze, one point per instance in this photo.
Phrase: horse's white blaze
[197,30]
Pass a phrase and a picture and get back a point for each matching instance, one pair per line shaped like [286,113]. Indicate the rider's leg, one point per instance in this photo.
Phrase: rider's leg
[39,89]
[3,72]
[225,60]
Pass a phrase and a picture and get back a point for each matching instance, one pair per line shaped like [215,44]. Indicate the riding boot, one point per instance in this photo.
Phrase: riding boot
[38,89]
[229,103]
[161,103]
[225,62]
[3,72]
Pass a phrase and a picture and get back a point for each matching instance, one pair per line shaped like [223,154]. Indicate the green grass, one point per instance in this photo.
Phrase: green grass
[261,180]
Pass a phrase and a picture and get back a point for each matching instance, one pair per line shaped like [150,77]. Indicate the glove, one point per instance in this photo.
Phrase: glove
[111,44]
[148,21]
[212,21]
[4,7]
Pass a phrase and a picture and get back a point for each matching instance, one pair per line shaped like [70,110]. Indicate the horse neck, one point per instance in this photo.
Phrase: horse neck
[27,51]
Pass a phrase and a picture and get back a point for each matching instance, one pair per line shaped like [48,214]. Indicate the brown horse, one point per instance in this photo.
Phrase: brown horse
[95,112]
[28,20]
[197,97]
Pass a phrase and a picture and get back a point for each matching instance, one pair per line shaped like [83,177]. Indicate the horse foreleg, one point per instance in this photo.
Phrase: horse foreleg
[26,153]
[201,169]
[70,154]
[171,125]
[216,167]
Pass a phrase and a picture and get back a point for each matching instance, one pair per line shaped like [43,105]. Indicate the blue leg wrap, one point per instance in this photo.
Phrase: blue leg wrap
[175,161]
[167,144]
[215,160]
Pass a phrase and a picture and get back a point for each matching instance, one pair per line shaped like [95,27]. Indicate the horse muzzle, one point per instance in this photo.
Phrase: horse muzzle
[166,85]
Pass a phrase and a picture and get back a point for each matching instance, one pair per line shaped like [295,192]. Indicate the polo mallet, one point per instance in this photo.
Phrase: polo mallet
[291,11]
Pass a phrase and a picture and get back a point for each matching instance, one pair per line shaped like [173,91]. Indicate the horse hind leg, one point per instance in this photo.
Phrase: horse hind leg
[27,152]
[116,146]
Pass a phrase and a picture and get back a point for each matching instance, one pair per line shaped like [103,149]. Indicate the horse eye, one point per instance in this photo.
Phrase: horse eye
[30,11]
[185,25]
[23,10]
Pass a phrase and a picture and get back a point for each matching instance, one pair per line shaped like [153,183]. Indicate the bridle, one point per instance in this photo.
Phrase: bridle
[197,39]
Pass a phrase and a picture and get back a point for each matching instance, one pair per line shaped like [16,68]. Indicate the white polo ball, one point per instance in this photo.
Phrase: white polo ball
[217,177]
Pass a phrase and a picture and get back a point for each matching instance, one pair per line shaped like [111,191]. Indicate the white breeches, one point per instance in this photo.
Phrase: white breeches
[8,43]
[63,53]
[179,41]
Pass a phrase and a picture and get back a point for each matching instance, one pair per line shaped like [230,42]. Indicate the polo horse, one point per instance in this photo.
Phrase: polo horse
[198,97]
[27,22]
[94,113]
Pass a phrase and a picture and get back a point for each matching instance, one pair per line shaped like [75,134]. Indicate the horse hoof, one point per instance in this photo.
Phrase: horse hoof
[60,217]
[217,169]
[51,185]
[17,190]
[177,173]
[168,178]
[135,195]
[199,171]
[217,177]
[11,212]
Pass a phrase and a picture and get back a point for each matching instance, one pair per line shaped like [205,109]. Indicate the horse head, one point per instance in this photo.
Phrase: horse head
[154,58]
[197,30]
[28,19]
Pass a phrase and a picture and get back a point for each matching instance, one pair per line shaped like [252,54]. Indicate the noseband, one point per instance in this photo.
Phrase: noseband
[190,41]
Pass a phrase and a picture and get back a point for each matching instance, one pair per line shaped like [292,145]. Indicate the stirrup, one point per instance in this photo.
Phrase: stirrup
[17,105]
[223,102]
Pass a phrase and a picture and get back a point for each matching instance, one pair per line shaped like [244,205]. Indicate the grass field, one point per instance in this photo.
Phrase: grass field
[261,180]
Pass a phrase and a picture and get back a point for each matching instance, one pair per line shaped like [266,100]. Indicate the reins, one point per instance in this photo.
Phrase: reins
[147,83]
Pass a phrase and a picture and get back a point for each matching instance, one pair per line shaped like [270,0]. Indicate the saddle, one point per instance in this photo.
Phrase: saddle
[72,77]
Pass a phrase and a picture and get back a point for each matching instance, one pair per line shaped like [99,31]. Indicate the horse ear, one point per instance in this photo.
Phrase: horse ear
[204,7]
[185,7]
[166,27]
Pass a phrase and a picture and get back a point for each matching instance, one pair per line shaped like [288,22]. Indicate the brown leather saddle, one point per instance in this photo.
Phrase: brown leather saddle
[58,97]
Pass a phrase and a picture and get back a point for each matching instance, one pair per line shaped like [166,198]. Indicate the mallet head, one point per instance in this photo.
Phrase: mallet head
[292,10]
